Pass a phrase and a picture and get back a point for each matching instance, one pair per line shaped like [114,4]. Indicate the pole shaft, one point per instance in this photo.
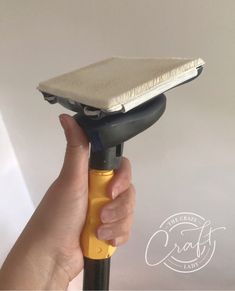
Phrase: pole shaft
[96,274]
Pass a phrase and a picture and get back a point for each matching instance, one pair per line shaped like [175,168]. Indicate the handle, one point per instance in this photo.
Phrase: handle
[92,247]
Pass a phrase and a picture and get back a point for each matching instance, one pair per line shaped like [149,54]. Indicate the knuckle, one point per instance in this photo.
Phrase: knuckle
[131,197]
[122,228]
[126,209]
[119,213]
[126,226]
[126,179]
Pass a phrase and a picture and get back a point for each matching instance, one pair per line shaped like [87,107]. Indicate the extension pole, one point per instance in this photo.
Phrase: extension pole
[97,253]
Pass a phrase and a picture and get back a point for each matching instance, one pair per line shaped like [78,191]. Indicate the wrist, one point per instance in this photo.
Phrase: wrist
[49,274]
[32,265]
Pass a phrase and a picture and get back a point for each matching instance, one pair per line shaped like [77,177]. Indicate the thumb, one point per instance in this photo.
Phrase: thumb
[75,166]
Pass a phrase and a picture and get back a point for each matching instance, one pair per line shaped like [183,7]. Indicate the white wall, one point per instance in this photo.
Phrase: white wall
[184,163]
[16,205]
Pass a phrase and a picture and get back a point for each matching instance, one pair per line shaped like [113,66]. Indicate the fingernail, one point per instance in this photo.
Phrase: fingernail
[115,193]
[107,215]
[63,122]
[105,233]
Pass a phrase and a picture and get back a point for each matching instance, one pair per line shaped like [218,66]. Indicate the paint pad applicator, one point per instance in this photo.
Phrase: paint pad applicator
[120,83]
[115,99]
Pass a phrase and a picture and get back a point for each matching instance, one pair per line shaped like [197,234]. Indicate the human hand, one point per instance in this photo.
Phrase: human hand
[51,239]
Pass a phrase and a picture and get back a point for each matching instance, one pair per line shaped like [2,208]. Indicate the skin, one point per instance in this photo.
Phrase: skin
[48,254]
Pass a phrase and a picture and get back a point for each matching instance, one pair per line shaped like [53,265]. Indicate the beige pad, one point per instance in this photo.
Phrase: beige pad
[121,83]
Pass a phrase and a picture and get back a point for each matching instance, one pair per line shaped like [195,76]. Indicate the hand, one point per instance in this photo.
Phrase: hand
[49,249]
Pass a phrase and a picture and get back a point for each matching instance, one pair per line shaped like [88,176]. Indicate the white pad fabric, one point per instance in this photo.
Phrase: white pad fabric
[121,83]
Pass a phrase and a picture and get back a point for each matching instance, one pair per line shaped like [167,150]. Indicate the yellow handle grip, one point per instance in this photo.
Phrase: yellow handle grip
[91,246]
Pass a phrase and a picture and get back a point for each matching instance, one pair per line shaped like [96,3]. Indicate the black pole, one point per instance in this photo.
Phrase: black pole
[96,274]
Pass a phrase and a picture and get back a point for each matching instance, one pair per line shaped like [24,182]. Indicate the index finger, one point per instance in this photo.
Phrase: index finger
[121,179]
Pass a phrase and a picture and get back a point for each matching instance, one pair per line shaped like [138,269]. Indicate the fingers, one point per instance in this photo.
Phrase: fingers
[121,179]
[116,232]
[119,208]
[117,217]
[76,156]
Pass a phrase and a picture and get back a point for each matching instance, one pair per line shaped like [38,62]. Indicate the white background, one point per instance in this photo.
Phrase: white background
[184,163]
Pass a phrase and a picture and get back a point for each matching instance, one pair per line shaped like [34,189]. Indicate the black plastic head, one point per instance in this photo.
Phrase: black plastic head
[107,133]
[116,129]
